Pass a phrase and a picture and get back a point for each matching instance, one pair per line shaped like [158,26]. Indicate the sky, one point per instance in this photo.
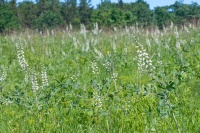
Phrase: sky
[152,3]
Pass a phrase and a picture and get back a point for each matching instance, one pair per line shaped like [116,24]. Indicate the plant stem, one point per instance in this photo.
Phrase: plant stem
[36,101]
[176,123]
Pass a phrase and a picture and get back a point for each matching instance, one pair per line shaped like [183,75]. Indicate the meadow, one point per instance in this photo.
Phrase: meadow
[121,81]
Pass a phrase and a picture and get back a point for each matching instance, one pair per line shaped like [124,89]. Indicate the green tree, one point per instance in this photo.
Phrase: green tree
[141,10]
[85,11]
[49,15]
[8,19]
[27,13]
[121,3]
[163,16]
[69,12]
[13,6]
[48,20]
[105,4]
[194,12]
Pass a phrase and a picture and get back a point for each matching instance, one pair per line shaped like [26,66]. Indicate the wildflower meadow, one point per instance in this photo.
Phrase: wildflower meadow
[125,80]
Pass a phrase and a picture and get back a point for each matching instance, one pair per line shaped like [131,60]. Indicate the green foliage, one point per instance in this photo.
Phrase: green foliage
[95,83]
[142,11]
[8,19]
[69,12]
[44,14]
[163,17]
[113,17]
[27,12]
[85,11]
[48,20]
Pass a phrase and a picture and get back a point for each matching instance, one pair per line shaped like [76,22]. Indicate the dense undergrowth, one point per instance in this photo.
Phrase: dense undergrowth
[121,81]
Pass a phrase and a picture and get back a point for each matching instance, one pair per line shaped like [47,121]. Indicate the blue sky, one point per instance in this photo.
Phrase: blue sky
[152,3]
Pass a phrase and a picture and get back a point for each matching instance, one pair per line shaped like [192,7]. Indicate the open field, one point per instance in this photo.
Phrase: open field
[122,81]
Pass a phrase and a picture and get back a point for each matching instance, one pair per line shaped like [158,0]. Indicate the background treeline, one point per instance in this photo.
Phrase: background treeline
[43,14]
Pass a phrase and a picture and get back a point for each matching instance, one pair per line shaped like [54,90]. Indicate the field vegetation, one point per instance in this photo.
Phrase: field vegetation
[124,80]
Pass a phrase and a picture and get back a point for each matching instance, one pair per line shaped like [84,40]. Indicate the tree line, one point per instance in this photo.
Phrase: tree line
[43,14]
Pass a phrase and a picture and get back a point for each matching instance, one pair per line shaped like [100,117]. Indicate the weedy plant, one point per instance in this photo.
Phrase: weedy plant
[3,74]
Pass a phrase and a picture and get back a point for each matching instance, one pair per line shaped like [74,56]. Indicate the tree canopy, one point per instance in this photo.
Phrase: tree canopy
[44,14]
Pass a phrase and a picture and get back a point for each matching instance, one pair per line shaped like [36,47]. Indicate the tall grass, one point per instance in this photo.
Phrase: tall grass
[94,81]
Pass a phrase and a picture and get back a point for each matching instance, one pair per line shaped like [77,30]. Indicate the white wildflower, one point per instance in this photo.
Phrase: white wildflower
[176,32]
[87,47]
[70,27]
[125,51]
[7,101]
[100,55]
[97,100]
[148,43]
[75,42]
[34,81]
[44,78]
[107,65]
[74,77]
[21,58]
[96,30]
[115,28]
[114,47]
[3,76]
[114,76]
[178,46]
[26,78]
[95,68]
[144,62]
[83,30]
